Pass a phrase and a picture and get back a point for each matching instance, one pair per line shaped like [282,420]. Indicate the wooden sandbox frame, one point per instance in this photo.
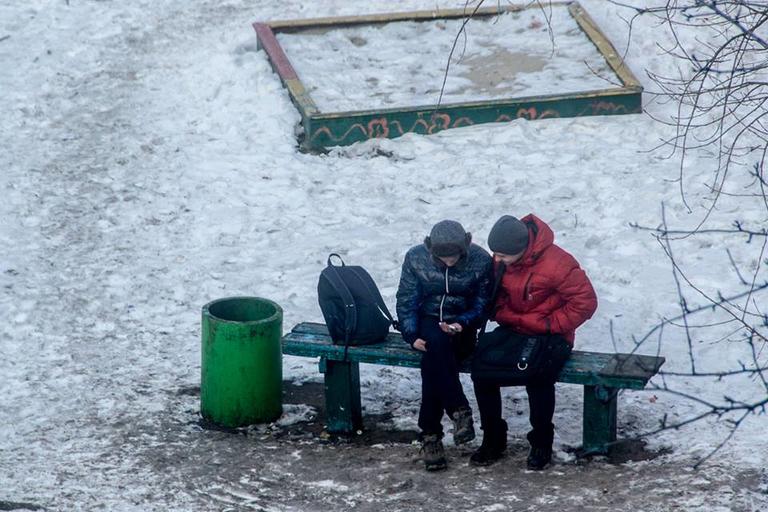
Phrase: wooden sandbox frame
[325,129]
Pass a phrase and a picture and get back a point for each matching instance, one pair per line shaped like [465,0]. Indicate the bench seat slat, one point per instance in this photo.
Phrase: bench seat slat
[587,368]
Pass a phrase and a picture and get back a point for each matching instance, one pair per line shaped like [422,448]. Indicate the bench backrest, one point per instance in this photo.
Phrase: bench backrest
[588,368]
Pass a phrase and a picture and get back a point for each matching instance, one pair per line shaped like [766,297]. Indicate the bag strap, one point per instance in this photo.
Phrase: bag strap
[330,264]
[376,294]
[350,307]
[501,269]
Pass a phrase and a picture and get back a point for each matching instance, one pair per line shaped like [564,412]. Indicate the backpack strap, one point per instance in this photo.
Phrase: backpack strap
[376,294]
[350,307]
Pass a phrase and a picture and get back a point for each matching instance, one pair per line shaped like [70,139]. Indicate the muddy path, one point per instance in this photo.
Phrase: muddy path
[300,467]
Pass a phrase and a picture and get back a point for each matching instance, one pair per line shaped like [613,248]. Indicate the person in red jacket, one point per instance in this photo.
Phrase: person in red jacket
[543,291]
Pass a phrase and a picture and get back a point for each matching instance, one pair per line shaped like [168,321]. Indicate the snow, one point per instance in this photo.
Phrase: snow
[329,484]
[150,166]
[402,64]
[295,413]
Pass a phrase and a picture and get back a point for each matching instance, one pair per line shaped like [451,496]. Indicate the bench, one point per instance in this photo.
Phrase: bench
[602,376]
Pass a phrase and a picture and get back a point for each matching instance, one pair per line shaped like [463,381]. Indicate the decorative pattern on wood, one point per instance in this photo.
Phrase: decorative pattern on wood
[345,128]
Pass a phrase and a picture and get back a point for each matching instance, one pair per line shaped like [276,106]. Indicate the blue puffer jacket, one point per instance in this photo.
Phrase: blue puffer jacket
[452,294]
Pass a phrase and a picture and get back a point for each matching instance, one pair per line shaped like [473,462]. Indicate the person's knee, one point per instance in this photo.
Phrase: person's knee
[438,349]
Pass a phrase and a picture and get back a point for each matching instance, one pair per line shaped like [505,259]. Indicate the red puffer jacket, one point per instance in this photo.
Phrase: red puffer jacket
[546,290]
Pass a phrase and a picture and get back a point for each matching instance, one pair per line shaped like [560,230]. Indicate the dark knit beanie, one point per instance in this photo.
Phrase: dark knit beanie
[447,238]
[508,236]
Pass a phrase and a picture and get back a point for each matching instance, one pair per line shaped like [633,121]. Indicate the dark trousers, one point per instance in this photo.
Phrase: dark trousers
[441,390]
[541,400]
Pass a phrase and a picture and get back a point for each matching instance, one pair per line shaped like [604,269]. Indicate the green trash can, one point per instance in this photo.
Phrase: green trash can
[242,368]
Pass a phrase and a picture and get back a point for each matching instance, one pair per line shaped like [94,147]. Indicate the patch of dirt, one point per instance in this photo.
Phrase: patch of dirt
[11,505]
[375,429]
[488,71]
[298,467]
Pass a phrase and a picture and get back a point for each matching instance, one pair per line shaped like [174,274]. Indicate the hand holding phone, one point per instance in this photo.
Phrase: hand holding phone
[450,328]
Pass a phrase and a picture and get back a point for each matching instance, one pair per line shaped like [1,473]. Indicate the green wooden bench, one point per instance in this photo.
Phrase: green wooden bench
[602,376]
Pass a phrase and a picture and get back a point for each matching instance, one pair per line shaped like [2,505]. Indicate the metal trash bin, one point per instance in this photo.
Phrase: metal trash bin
[242,369]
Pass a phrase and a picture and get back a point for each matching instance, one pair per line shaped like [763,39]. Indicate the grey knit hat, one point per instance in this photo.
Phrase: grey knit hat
[447,238]
[508,236]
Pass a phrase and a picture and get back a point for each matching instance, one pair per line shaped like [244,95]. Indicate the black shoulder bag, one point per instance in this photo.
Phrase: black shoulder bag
[508,358]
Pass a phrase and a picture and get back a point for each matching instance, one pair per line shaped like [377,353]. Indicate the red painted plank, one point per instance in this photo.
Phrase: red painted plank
[274,50]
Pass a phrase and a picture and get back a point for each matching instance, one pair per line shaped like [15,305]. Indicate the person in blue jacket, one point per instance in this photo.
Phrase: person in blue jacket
[441,301]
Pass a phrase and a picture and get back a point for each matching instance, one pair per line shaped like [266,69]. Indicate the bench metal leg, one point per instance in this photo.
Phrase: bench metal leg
[342,396]
[599,423]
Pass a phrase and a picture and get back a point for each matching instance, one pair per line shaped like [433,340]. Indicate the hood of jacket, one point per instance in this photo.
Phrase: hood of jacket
[541,237]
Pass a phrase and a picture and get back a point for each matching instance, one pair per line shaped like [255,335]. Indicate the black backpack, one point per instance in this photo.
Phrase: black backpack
[352,305]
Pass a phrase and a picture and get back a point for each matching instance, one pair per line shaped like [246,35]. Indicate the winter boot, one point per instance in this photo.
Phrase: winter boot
[434,453]
[493,446]
[539,457]
[463,428]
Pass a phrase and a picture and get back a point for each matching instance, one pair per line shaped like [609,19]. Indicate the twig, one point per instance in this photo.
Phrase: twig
[453,48]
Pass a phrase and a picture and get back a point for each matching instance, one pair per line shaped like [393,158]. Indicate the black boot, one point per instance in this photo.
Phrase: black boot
[493,446]
[539,457]
[540,439]
[463,427]
[434,453]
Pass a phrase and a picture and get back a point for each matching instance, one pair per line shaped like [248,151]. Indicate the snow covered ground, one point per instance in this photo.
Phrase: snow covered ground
[403,64]
[149,165]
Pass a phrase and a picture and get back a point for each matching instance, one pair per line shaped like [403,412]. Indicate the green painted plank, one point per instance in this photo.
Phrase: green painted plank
[586,368]
[428,110]
[343,128]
